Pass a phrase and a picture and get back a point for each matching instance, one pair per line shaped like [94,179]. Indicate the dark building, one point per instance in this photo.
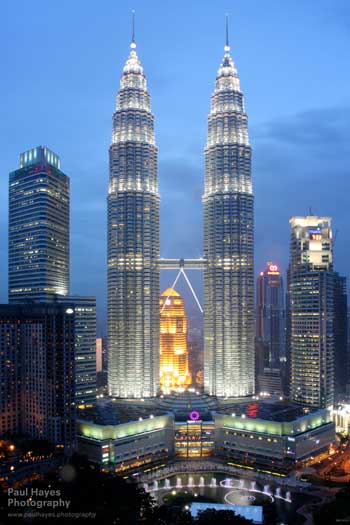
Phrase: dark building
[341,328]
[37,371]
[85,348]
[270,330]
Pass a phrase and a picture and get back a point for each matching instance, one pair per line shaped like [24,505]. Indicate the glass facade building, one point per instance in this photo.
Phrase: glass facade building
[316,299]
[38,228]
[269,330]
[85,348]
[228,242]
[133,241]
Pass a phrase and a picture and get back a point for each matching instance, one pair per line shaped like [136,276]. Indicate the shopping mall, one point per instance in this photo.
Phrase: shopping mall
[271,436]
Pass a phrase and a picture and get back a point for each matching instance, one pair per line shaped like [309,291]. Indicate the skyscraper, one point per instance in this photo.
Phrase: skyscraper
[38,228]
[228,241]
[269,329]
[85,348]
[341,337]
[270,313]
[39,254]
[313,294]
[173,341]
[37,371]
[133,241]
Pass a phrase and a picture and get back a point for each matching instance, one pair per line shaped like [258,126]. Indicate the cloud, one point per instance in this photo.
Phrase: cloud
[301,162]
[313,128]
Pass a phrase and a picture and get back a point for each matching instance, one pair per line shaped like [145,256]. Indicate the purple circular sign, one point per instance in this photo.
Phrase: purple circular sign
[194,415]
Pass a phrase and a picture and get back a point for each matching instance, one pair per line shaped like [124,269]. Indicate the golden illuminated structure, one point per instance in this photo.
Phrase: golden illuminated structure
[173,342]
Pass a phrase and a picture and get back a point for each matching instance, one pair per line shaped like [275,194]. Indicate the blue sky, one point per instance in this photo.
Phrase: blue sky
[61,62]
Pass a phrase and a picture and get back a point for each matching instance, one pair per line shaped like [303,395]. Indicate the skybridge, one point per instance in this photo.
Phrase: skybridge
[181,265]
[185,264]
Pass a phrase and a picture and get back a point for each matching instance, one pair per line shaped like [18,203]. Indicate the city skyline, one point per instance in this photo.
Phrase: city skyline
[175,316]
[296,135]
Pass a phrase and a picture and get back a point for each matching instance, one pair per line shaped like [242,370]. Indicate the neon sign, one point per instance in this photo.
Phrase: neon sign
[194,415]
[273,269]
[252,410]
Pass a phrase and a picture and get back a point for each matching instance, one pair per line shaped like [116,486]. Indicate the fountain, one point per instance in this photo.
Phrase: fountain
[241,483]
[201,481]
[178,483]
[167,483]
[145,486]
[253,485]
[278,492]
[288,496]
[155,485]
[267,489]
[190,481]
[213,482]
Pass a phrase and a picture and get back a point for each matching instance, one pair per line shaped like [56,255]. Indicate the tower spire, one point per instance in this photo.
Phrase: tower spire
[133,43]
[227,45]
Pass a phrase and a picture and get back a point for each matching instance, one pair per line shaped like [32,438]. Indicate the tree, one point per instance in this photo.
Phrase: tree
[334,512]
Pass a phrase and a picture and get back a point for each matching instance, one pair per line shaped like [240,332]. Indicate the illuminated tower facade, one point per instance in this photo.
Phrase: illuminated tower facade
[38,228]
[312,286]
[269,331]
[270,315]
[133,241]
[228,241]
[173,341]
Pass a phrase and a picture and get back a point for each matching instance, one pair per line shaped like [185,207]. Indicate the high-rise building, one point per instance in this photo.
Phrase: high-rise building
[39,254]
[38,228]
[133,241]
[37,372]
[174,369]
[269,329]
[228,242]
[85,348]
[341,334]
[313,296]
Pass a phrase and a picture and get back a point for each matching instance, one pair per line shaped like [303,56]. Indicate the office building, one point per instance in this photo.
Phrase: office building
[133,241]
[269,330]
[37,368]
[313,295]
[39,254]
[174,367]
[341,337]
[38,228]
[228,242]
[85,348]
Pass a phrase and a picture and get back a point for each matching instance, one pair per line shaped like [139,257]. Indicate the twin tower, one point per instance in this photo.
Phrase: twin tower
[134,249]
